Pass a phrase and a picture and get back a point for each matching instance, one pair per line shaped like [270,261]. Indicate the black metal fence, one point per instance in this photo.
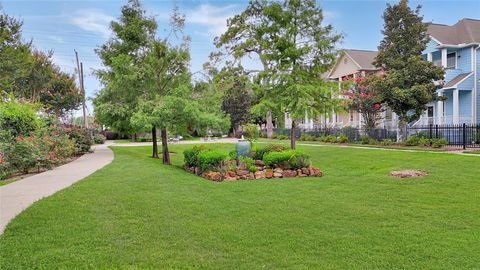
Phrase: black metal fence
[353,134]
[462,135]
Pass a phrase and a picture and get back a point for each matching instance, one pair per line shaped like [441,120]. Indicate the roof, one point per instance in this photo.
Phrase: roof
[463,32]
[363,58]
[459,78]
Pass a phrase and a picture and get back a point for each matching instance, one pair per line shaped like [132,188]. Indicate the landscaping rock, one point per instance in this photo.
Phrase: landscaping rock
[289,173]
[190,169]
[230,178]
[306,171]
[259,163]
[198,171]
[300,173]
[269,173]
[214,176]
[277,175]
[278,170]
[242,172]
[260,175]
[314,171]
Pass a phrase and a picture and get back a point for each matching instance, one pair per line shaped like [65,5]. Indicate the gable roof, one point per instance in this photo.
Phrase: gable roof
[363,58]
[463,32]
[458,79]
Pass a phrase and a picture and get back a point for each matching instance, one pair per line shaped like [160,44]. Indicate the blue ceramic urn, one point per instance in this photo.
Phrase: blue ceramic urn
[243,148]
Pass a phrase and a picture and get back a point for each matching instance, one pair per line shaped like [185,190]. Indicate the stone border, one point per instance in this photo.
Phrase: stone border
[262,172]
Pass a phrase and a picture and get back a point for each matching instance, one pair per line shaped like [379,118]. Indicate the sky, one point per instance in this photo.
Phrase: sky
[63,26]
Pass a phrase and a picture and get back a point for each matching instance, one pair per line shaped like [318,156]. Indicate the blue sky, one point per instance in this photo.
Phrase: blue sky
[63,26]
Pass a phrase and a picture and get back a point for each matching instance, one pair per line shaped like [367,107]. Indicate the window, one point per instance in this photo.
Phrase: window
[351,116]
[452,60]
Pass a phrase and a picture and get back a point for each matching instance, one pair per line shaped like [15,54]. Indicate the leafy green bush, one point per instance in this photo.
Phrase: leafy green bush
[291,159]
[439,143]
[387,142]
[18,118]
[249,163]
[251,132]
[99,139]
[307,137]
[259,153]
[281,137]
[190,156]
[82,138]
[211,160]
[330,139]
[342,138]
[412,141]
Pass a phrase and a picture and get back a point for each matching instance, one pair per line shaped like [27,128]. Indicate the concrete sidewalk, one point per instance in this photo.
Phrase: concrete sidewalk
[17,196]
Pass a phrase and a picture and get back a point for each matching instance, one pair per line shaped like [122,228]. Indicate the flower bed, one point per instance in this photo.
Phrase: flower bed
[275,162]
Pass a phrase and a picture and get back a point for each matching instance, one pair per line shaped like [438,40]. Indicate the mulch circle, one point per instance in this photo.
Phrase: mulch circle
[408,173]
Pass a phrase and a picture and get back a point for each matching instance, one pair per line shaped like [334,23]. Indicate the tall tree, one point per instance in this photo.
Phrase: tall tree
[123,55]
[167,101]
[408,84]
[364,97]
[29,74]
[247,36]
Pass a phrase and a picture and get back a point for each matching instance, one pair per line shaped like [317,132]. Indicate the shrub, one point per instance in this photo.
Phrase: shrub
[18,118]
[307,137]
[99,139]
[22,154]
[290,159]
[342,138]
[412,141]
[387,142]
[330,139]
[249,163]
[211,160]
[190,156]
[364,139]
[260,152]
[282,137]
[250,132]
[82,138]
[439,143]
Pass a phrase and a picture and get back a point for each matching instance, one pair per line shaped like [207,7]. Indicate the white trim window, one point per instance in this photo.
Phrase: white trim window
[452,60]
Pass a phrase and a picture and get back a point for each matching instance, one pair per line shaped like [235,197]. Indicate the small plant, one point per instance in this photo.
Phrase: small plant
[387,142]
[282,137]
[364,139]
[307,137]
[249,163]
[190,156]
[342,138]
[412,141]
[439,143]
[331,139]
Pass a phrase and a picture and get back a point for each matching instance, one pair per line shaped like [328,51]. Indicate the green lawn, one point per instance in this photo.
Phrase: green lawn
[136,213]
[476,152]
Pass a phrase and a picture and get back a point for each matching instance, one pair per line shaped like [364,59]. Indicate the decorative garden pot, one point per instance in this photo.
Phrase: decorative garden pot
[243,148]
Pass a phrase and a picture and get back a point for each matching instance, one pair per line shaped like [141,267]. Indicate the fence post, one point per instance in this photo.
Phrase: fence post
[464,136]
[436,131]
[430,131]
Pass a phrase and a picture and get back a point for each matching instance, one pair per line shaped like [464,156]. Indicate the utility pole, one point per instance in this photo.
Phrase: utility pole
[82,89]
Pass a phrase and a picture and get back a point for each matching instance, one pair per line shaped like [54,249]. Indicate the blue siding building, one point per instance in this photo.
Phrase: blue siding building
[456,49]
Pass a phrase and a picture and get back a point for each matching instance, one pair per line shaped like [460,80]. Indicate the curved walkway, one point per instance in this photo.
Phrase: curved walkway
[17,196]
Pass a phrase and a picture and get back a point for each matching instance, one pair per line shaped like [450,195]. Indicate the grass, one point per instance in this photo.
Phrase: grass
[137,213]
[476,152]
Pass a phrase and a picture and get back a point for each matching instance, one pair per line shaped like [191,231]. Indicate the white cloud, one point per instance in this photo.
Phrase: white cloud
[214,18]
[93,20]
[57,39]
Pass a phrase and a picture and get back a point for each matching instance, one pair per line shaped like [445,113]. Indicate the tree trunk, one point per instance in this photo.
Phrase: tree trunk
[269,125]
[165,153]
[293,138]
[402,130]
[154,142]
